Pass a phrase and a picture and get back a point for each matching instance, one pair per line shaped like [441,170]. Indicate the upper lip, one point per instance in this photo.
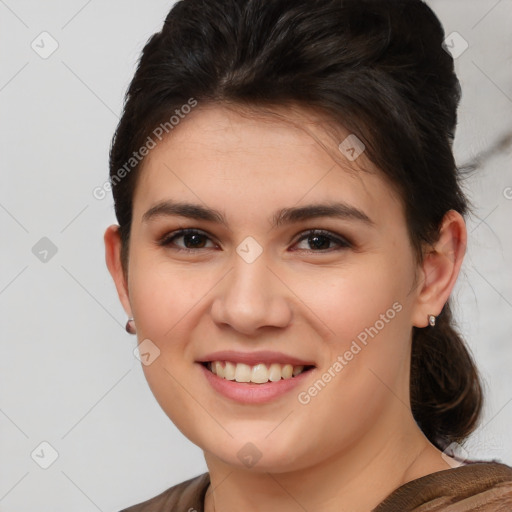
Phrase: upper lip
[253,358]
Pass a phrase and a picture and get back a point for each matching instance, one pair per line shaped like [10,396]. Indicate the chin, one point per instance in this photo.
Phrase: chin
[257,454]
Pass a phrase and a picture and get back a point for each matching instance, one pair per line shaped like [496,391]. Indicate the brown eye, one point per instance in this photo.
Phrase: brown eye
[320,241]
[192,239]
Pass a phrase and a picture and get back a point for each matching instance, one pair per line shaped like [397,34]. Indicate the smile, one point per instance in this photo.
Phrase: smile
[254,377]
[258,374]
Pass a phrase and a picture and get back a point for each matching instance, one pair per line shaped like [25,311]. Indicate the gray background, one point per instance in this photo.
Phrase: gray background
[68,375]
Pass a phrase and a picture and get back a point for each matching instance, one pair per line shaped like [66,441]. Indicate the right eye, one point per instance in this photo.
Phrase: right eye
[192,238]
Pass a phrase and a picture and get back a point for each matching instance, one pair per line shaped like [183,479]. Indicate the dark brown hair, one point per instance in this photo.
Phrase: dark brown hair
[378,69]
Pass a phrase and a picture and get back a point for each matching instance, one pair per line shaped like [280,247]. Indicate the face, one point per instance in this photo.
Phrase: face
[270,284]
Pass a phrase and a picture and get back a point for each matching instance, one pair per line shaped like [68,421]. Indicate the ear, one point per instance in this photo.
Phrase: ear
[440,268]
[112,240]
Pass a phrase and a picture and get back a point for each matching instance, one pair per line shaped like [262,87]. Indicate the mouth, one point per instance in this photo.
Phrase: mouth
[260,373]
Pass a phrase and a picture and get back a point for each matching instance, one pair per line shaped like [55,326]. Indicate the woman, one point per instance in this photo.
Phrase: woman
[290,229]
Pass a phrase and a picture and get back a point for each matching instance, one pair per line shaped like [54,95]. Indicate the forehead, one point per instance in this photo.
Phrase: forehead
[218,154]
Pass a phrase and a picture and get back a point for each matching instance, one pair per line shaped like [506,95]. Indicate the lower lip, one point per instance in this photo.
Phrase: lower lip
[249,392]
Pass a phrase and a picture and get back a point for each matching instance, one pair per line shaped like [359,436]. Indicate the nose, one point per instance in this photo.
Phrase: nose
[252,296]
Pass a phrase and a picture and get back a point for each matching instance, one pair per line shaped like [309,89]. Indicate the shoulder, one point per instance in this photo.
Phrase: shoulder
[186,496]
[477,486]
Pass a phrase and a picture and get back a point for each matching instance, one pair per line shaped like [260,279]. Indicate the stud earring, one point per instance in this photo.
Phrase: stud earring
[431,320]
[130,326]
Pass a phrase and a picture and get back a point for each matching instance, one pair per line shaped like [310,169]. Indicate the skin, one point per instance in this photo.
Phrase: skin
[315,456]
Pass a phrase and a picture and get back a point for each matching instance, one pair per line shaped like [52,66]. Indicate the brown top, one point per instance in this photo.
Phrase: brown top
[475,487]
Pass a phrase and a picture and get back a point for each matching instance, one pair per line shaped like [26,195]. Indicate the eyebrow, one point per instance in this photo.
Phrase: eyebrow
[283,216]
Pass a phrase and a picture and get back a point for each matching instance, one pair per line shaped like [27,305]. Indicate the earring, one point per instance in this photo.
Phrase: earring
[431,320]
[130,326]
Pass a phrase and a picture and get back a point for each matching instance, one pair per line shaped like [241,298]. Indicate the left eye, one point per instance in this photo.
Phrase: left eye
[319,239]
[194,239]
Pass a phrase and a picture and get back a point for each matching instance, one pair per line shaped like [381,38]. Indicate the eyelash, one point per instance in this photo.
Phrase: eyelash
[167,240]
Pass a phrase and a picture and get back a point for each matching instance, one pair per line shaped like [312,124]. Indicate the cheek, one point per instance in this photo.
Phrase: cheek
[350,300]
[367,365]
[164,298]
[366,313]
[166,304]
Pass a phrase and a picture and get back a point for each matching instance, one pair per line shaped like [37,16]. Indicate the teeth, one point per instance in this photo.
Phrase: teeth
[259,373]
[229,371]
[274,373]
[219,370]
[297,370]
[287,371]
[242,373]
